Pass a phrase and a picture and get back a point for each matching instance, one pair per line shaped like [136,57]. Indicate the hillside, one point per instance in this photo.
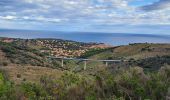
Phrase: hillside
[149,56]
[135,51]
[27,73]
[56,47]
[18,54]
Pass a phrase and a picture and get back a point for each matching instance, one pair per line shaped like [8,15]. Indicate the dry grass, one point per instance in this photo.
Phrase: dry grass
[2,56]
[135,51]
[18,73]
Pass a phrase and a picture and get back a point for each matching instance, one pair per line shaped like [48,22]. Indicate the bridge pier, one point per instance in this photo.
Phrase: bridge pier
[85,60]
[62,62]
[85,65]
[106,63]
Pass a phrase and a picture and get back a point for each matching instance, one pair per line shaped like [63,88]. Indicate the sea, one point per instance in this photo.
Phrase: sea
[114,39]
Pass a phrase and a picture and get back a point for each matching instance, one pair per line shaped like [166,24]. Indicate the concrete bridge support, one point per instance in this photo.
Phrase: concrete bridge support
[62,62]
[85,60]
[85,65]
[106,63]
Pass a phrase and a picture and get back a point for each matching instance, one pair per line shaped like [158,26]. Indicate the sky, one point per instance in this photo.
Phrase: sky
[112,16]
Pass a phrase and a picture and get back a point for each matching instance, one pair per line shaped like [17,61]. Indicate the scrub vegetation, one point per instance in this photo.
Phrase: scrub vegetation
[28,74]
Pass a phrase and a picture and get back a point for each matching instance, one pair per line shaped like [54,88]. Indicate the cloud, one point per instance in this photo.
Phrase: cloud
[67,9]
[8,17]
[161,4]
[55,13]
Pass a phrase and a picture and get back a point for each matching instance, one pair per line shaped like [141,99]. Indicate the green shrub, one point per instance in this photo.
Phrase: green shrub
[33,91]
[6,89]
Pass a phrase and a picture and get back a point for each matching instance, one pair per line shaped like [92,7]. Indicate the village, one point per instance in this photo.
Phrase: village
[58,47]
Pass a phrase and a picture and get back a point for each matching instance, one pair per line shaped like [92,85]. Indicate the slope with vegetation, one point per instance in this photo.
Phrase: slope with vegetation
[128,84]
[28,74]
[149,56]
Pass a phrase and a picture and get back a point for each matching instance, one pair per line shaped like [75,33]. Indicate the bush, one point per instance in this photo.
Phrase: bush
[6,89]
[153,63]
[18,75]
[34,92]
[122,84]
[5,63]
[125,84]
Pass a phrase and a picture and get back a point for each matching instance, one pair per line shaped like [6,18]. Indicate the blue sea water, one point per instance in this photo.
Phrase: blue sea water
[107,38]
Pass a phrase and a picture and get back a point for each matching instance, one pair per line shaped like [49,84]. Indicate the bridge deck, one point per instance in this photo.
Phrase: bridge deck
[82,59]
[85,60]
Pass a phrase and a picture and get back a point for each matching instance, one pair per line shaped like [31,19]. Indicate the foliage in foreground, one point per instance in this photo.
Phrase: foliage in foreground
[126,84]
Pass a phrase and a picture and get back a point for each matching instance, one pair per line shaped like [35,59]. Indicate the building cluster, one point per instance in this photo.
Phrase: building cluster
[7,40]
[62,48]
[60,52]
